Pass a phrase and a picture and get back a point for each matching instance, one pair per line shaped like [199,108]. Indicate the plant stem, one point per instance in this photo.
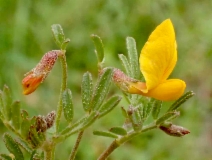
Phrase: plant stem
[53,152]
[48,148]
[74,150]
[48,155]
[109,150]
[119,141]
[63,87]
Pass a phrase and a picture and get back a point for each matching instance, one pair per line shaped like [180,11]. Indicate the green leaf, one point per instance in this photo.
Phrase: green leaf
[126,64]
[167,117]
[99,47]
[12,146]
[33,155]
[65,43]
[109,105]
[181,100]
[58,34]
[141,111]
[80,123]
[133,57]
[24,145]
[87,90]
[5,157]
[135,118]
[1,116]
[42,136]
[26,123]
[105,134]
[102,88]
[156,108]
[24,114]
[68,105]
[1,102]
[16,116]
[124,112]
[118,130]
[147,108]
[8,102]
[34,138]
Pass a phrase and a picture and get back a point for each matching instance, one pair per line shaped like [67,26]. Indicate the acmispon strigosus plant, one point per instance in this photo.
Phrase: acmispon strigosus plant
[157,60]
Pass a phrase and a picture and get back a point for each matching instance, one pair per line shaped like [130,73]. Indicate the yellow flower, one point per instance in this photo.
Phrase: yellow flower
[157,60]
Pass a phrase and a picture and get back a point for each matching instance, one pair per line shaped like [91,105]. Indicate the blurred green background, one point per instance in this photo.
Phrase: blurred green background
[25,35]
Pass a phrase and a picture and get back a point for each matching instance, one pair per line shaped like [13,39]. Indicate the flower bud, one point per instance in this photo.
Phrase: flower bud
[174,130]
[38,74]
[45,122]
[41,125]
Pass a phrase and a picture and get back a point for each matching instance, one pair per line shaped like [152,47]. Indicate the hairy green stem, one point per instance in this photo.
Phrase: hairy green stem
[53,152]
[48,155]
[48,147]
[119,141]
[109,150]
[74,150]
[63,87]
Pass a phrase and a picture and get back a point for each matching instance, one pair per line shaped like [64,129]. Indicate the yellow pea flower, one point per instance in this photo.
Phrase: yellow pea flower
[157,60]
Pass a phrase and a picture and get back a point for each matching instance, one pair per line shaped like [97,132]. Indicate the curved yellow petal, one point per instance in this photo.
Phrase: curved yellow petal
[169,90]
[159,55]
[137,88]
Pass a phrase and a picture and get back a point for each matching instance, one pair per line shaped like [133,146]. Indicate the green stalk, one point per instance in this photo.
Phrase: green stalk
[53,152]
[48,147]
[62,89]
[48,155]
[119,141]
[74,150]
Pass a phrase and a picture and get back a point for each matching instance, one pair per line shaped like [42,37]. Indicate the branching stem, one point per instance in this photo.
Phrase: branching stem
[119,141]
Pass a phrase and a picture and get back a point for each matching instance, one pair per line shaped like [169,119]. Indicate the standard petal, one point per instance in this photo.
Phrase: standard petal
[159,55]
[169,90]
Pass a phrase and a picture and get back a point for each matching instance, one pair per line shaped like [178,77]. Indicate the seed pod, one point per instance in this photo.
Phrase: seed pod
[38,74]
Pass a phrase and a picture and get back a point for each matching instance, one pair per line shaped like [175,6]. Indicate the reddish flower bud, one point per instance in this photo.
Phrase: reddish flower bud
[38,74]
[50,117]
[174,130]
[45,122]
